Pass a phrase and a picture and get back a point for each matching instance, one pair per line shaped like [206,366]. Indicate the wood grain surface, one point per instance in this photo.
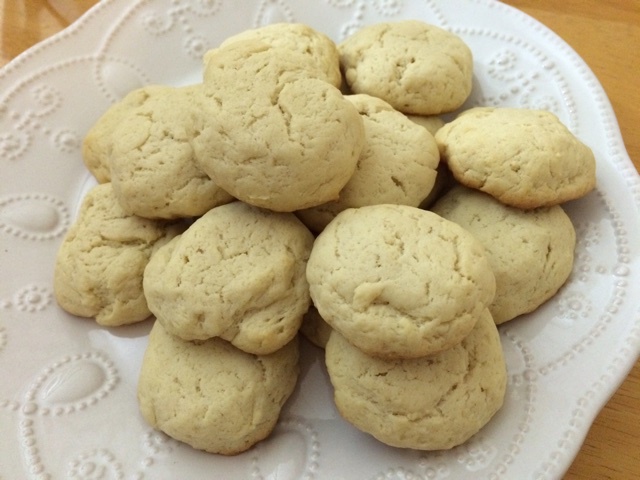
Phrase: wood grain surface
[606,34]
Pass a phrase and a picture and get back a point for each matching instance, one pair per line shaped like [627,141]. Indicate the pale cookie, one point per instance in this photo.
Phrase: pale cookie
[100,263]
[531,251]
[416,67]
[397,165]
[98,142]
[398,281]
[212,396]
[428,403]
[313,48]
[153,169]
[238,272]
[524,158]
[274,137]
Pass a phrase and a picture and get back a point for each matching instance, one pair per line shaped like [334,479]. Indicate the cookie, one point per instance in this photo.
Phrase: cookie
[416,67]
[275,137]
[524,158]
[531,252]
[398,281]
[211,395]
[311,47]
[153,168]
[98,142]
[428,403]
[100,263]
[238,273]
[397,164]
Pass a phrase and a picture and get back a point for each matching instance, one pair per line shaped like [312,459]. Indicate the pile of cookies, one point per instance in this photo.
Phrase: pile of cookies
[310,188]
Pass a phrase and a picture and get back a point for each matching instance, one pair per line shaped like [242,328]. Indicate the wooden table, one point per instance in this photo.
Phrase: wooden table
[606,33]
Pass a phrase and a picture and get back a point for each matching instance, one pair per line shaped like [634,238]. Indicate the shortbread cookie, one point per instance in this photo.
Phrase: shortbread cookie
[153,169]
[524,158]
[100,263]
[212,395]
[238,272]
[416,67]
[314,328]
[398,281]
[275,137]
[98,142]
[531,251]
[427,403]
[313,48]
[397,165]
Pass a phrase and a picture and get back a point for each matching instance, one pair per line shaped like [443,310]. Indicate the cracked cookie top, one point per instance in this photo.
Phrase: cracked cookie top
[398,281]
[416,67]
[238,272]
[275,136]
[427,403]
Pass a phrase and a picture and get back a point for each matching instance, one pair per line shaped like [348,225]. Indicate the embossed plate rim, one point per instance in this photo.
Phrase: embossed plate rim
[85,40]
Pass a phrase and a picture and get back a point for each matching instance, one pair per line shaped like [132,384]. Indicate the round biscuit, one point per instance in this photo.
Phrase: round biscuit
[238,272]
[524,158]
[398,281]
[100,263]
[314,328]
[211,395]
[428,403]
[153,169]
[531,252]
[416,67]
[98,141]
[274,136]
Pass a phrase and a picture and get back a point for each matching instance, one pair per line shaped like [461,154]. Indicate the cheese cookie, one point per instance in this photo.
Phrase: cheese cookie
[314,328]
[98,142]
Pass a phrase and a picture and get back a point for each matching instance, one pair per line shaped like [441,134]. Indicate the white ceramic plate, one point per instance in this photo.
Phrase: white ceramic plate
[67,396]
